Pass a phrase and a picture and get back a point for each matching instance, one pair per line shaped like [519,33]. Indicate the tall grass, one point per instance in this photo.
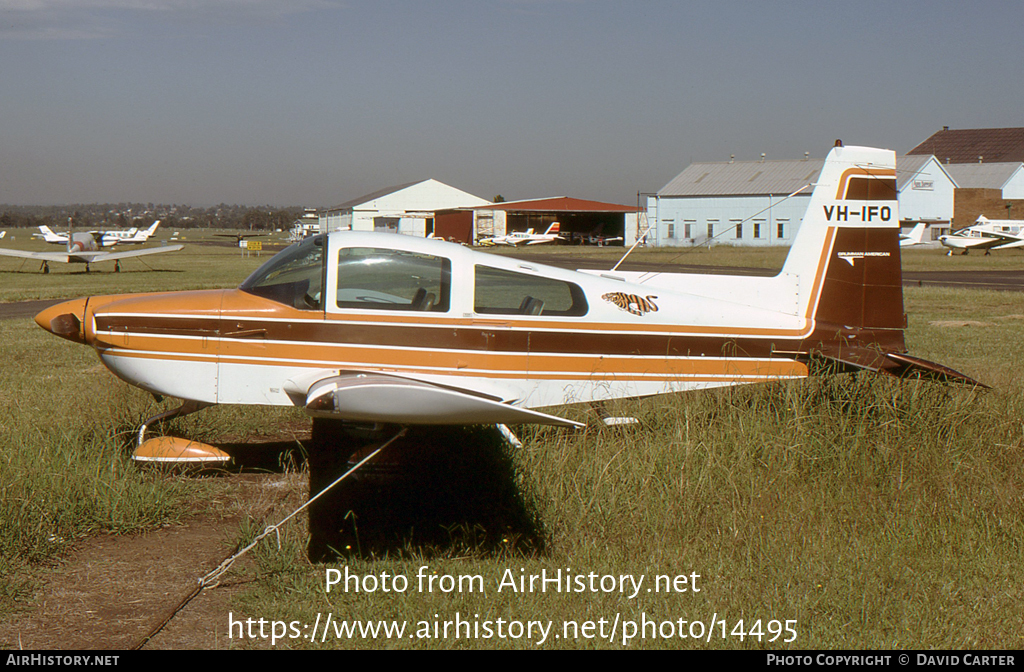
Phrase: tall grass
[65,473]
[874,512]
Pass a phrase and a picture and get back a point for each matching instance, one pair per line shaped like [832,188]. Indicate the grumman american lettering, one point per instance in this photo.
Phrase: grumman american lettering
[386,328]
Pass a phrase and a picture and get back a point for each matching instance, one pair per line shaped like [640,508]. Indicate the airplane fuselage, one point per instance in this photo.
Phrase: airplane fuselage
[611,338]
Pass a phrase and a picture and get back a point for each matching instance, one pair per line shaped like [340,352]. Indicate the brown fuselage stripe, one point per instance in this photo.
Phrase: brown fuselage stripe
[315,341]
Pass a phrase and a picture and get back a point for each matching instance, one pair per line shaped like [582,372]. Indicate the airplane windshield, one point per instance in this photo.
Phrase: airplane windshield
[293,277]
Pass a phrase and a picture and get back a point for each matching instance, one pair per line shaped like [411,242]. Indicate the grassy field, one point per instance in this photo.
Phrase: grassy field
[870,513]
[198,266]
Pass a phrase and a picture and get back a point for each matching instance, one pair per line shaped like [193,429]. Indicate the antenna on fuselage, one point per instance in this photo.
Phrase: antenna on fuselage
[638,241]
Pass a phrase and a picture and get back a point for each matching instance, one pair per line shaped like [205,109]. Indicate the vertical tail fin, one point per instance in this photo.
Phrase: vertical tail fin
[846,258]
[846,253]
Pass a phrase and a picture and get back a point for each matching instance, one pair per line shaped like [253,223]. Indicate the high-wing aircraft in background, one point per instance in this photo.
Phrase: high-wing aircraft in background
[527,237]
[102,238]
[82,248]
[126,237]
[379,328]
[914,237]
[986,234]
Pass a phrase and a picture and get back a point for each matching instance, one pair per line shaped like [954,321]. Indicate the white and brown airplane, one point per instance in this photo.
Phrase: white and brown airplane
[82,248]
[382,328]
[986,234]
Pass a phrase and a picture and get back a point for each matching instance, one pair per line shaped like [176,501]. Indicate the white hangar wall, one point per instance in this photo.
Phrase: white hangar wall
[407,209]
[754,202]
[733,220]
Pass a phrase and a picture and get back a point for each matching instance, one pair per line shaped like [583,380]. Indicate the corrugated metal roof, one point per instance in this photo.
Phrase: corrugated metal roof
[965,145]
[348,205]
[558,204]
[907,168]
[982,175]
[744,178]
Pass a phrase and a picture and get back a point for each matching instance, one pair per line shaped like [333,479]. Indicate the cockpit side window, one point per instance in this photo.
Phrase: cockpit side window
[385,279]
[293,277]
[501,292]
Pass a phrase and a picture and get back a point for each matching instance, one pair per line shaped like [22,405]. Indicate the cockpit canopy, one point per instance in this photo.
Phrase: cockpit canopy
[294,277]
[370,275]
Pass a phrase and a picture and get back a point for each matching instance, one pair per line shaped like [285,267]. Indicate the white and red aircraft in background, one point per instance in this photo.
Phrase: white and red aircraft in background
[527,237]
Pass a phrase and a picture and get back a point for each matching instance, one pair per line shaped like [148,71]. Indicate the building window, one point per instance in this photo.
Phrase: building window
[757,229]
[670,228]
[711,229]
[688,229]
[737,226]
[781,230]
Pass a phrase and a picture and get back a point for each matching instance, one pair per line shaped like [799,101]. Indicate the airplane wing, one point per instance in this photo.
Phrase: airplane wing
[45,256]
[87,257]
[377,397]
[91,257]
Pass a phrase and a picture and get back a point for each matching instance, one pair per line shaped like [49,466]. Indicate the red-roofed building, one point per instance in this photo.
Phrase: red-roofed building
[579,221]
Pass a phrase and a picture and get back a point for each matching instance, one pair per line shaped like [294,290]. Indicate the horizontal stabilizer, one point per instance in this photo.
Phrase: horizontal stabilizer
[910,365]
[372,397]
[900,365]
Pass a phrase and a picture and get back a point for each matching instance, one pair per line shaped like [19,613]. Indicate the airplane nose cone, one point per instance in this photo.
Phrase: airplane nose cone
[65,320]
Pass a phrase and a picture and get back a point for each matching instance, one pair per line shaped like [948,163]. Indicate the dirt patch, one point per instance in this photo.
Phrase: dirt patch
[112,591]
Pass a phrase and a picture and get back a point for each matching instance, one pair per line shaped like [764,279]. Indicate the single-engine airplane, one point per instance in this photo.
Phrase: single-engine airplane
[527,237]
[384,328]
[986,234]
[82,248]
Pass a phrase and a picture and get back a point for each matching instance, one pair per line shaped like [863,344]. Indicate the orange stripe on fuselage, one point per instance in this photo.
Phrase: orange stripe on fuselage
[457,362]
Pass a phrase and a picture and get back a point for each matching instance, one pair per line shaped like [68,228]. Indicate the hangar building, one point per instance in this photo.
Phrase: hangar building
[579,220]
[406,208]
[986,164]
[763,202]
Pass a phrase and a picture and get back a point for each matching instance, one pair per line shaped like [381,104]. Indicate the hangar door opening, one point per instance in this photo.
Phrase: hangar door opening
[577,228]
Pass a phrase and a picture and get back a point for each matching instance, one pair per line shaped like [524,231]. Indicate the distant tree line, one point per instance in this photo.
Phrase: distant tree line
[127,215]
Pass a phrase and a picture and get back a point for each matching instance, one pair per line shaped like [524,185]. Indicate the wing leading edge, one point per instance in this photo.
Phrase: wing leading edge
[87,257]
[375,397]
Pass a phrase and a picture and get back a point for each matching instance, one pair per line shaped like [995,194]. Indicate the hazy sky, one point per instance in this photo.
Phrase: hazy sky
[314,102]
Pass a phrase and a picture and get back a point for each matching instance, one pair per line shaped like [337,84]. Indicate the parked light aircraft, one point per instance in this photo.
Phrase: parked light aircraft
[914,237]
[103,238]
[986,234]
[527,237]
[82,248]
[377,327]
[392,329]
[127,237]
